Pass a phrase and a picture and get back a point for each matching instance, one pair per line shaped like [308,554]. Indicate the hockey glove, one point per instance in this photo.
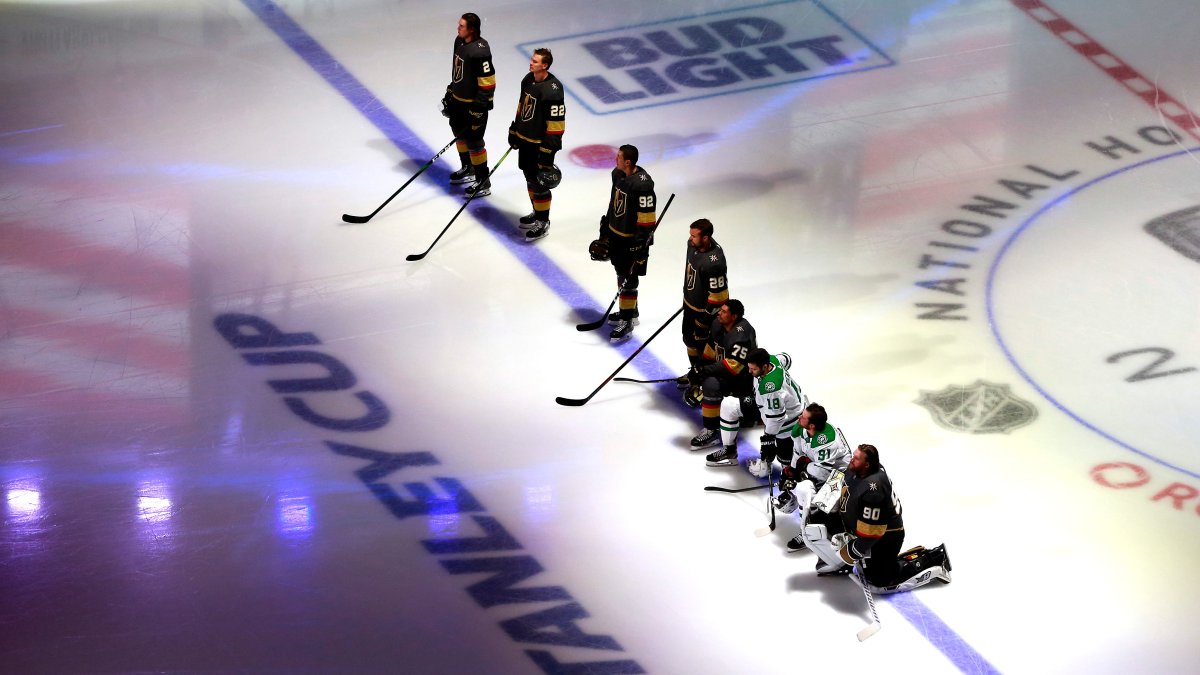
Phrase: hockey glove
[766,448]
[802,463]
[846,551]
[788,480]
[513,141]
[481,106]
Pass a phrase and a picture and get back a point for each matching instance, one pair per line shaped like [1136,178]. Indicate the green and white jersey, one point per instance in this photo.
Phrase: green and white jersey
[780,400]
[827,449]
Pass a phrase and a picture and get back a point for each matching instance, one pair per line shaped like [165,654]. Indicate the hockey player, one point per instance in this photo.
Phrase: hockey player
[467,102]
[722,372]
[536,134]
[626,233]
[820,450]
[705,289]
[780,403]
[873,530]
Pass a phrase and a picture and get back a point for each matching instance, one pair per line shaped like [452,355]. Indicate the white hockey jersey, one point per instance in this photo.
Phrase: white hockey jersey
[780,400]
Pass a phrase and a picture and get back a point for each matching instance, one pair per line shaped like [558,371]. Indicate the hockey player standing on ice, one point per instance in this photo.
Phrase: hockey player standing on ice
[467,102]
[820,450]
[780,403]
[705,289]
[626,234]
[722,372]
[870,514]
[537,134]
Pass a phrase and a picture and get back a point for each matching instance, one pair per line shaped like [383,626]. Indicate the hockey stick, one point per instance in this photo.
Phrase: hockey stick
[419,256]
[604,317]
[875,625]
[630,379]
[764,531]
[580,401]
[716,488]
[359,220]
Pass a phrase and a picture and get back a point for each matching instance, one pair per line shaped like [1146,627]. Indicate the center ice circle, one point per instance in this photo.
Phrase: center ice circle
[1098,312]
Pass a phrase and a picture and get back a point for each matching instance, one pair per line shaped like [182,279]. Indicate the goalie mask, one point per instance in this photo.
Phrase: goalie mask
[549,178]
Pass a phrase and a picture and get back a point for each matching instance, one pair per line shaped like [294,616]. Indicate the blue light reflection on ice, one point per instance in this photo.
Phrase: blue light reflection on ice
[24,502]
[539,504]
[154,511]
[294,516]
[445,519]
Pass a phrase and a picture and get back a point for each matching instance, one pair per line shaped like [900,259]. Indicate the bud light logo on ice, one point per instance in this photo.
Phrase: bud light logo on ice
[708,55]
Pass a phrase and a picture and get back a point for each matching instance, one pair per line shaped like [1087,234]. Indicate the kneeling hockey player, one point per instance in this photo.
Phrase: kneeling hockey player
[870,515]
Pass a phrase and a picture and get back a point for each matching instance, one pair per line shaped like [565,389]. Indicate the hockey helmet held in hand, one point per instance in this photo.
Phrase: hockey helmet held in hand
[598,249]
[786,502]
[549,177]
[758,468]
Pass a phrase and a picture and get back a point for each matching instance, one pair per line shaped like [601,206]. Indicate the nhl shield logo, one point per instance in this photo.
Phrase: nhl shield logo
[1180,230]
[981,408]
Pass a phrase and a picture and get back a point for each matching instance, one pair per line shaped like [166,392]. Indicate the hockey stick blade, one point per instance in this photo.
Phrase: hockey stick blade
[717,488]
[764,531]
[630,379]
[580,401]
[359,220]
[868,631]
[419,256]
[584,327]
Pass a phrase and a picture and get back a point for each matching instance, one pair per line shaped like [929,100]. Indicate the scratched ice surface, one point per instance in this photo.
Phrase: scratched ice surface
[238,434]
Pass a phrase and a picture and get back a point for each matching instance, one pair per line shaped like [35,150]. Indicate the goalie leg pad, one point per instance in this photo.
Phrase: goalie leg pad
[918,580]
[817,538]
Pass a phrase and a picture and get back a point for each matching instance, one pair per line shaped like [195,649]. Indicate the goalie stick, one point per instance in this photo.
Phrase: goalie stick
[875,625]
[419,256]
[359,220]
[562,400]
[604,317]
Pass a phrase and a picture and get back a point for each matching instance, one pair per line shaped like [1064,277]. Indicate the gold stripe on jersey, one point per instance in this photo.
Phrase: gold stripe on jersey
[647,219]
[553,127]
[870,531]
[486,82]
[719,297]
[733,366]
